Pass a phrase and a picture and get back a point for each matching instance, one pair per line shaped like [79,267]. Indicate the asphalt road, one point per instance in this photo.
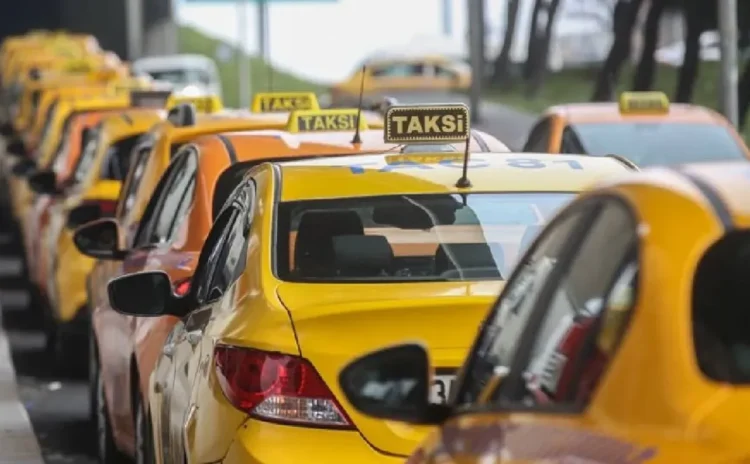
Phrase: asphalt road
[58,407]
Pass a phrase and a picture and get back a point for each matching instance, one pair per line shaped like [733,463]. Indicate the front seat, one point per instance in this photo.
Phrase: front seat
[314,255]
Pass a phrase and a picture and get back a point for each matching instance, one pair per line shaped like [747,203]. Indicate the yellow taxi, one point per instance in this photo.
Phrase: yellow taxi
[393,73]
[615,340]
[643,127]
[93,191]
[312,262]
[61,114]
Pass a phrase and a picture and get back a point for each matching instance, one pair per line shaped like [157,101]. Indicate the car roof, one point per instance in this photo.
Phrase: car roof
[610,112]
[169,62]
[491,172]
[132,120]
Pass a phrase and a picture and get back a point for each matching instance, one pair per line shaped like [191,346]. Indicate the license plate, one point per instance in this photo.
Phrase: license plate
[441,388]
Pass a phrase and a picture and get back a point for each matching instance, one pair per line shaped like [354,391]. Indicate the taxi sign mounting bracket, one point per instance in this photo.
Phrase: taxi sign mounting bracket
[463,181]
[357,137]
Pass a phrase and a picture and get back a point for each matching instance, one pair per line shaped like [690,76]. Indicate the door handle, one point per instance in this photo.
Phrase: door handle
[168,350]
[194,337]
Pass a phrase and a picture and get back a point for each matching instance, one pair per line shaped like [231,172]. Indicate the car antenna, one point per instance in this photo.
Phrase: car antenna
[357,137]
[463,181]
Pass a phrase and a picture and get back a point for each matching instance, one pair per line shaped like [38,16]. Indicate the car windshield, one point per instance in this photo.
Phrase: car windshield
[182,76]
[657,143]
[401,238]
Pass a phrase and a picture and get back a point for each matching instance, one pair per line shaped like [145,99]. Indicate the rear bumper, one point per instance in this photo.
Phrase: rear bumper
[259,442]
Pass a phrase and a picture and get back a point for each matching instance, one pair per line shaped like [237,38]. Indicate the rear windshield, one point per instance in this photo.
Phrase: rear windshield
[657,143]
[720,315]
[401,238]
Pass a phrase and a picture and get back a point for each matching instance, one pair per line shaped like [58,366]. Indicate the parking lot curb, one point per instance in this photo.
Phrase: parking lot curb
[18,444]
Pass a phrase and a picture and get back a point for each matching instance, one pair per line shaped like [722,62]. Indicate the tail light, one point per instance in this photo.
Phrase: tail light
[277,387]
[182,287]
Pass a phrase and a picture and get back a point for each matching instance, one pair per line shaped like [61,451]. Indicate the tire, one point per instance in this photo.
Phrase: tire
[144,438]
[106,448]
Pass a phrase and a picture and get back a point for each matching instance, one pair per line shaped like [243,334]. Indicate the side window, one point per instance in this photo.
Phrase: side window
[584,319]
[398,70]
[538,141]
[570,142]
[445,73]
[227,259]
[500,335]
[88,155]
[160,218]
[133,180]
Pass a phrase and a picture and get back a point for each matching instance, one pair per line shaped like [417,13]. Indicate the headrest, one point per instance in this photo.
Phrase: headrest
[467,256]
[313,250]
[362,251]
[331,223]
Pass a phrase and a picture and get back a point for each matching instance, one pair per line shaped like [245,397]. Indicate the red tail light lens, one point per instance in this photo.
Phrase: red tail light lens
[182,287]
[277,387]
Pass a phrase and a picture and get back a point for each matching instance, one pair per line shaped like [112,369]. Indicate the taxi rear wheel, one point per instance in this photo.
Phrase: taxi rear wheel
[105,442]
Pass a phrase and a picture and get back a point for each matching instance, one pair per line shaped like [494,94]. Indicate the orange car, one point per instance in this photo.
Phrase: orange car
[170,237]
[62,163]
[642,127]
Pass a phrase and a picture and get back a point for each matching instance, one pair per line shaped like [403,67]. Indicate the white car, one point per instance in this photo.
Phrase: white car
[189,74]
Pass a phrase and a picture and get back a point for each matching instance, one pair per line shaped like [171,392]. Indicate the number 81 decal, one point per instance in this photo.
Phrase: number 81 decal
[528,163]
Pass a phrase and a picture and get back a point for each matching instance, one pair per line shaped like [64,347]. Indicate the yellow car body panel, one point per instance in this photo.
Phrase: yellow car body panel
[72,269]
[260,311]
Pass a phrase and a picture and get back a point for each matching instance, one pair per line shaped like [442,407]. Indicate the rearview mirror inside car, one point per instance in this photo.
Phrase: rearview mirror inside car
[44,182]
[145,294]
[393,384]
[99,239]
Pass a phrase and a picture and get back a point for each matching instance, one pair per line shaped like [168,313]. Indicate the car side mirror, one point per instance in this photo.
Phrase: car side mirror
[393,384]
[99,239]
[44,182]
[24,168]
[15,148]
[83,214]
[145,294]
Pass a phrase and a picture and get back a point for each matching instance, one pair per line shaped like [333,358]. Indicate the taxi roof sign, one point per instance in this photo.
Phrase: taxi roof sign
[329,120]
[203,104]
[149,98]
[448,122]
[644,102]
[282,102]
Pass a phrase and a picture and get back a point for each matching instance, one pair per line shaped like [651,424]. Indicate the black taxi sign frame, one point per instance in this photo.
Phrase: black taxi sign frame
[651,102]
[283,102]
[429,124]
[150,98]
[203,103]
[328,120]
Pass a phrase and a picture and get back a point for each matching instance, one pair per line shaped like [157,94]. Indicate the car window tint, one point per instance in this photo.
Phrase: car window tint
[398,70]
[566,362]
[182,187]
[133,181]
[538,141]
[116,162]
[661,143]
[720,317]
[499,338]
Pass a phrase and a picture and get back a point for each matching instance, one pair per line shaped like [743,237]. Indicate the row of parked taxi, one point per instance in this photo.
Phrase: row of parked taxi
[291,284]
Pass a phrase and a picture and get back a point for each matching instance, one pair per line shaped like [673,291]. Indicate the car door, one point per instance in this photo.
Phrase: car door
[543,350]
[220,264]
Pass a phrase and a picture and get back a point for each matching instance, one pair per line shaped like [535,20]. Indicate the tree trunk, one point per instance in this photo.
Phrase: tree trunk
[533,43]
[744,95]
[500,74]
[623,21]
[540,68]
[644,74]
[689,70]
